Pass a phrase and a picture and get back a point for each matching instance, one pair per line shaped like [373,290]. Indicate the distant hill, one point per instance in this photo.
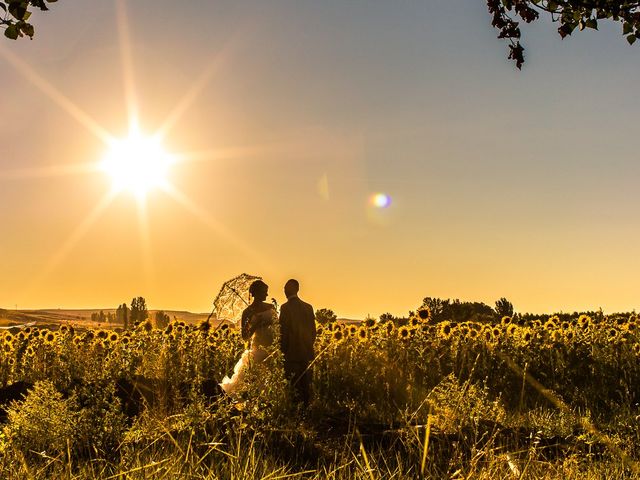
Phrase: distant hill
[82,317]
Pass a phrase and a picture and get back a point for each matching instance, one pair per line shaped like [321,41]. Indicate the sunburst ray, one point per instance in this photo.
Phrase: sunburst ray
[55,95]
[124,39]
[73,239]
[201,82]
[217,227]
[50,171]
[145,242]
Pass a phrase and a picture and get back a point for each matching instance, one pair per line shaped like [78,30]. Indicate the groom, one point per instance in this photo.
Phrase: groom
[297,334]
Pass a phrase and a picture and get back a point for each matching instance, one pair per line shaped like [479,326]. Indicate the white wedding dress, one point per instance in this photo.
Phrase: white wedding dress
[261,338]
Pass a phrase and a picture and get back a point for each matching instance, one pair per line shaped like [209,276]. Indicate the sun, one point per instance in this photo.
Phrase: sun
[137,164]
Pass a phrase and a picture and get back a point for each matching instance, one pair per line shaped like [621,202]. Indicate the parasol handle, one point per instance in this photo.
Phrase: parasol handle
[211,314]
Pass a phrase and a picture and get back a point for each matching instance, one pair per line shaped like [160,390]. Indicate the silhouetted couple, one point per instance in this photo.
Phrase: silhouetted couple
[297,335]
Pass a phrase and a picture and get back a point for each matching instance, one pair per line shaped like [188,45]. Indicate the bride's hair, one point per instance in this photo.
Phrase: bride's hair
[256,287]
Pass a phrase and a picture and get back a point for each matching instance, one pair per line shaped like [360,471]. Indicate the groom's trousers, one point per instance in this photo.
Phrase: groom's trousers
[300,375]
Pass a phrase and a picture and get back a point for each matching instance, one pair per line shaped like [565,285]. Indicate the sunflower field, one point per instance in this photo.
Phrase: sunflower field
[549,397]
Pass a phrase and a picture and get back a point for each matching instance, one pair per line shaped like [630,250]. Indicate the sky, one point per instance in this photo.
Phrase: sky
[285,118]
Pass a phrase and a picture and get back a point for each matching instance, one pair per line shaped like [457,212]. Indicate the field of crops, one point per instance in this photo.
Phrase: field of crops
[548,397]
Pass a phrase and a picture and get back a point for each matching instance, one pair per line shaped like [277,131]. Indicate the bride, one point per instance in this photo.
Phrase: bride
[256,325]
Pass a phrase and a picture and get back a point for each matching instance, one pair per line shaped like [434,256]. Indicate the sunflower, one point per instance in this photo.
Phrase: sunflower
[556,336]
[102,334]
[473,333]
[50,338]
[569,335]
[488,335]
[506,320]
[404,333]
[7,347]
[424,313]
[414,321]
[363,334]
[565,325]
[113,337]
[496,332]
[512,329]
[77,341]
[528,336]
[445,329]
[613,332]
[389,328]
[11,361]
[319,330]
[352,330]
[22,336]
[30,351]
[337,335]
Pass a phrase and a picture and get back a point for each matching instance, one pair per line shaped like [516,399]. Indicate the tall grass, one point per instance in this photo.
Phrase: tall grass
[542,399]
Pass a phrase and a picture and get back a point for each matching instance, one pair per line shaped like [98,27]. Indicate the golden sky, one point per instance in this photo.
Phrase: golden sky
[284,120]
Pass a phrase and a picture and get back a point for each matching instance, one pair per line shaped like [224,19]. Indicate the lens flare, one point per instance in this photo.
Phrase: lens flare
[380,200]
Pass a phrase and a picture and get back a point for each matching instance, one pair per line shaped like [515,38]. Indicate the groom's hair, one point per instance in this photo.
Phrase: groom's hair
[292,285]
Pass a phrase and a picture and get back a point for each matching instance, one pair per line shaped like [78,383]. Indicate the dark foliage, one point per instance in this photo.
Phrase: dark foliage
[569,14]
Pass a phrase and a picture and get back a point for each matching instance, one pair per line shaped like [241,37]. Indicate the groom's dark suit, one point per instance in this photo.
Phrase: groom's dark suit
[297,334]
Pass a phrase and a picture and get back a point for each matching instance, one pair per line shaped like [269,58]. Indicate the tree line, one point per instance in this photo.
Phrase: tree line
[441,309]
[132,316]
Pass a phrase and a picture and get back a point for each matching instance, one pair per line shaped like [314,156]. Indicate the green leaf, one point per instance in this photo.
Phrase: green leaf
[626,28]
[18,9]
[11,32]
[27,29]
[592,23]
[631,39]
